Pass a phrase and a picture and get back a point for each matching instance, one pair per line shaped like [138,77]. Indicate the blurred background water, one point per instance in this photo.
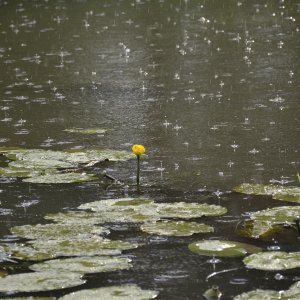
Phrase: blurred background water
[211,88]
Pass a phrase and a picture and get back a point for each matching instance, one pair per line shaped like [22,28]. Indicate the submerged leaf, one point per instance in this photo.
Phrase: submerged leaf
[123,292]
[222,248]
[84,265]
[273,260]
[175,228]
[39,281]
[278,192]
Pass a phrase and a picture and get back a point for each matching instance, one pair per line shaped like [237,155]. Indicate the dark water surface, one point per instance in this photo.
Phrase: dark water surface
[211,88]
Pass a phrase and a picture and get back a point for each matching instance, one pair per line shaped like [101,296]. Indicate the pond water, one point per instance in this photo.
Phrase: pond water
[211,88]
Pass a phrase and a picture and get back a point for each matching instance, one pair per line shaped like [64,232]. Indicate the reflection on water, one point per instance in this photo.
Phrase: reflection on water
[211,88]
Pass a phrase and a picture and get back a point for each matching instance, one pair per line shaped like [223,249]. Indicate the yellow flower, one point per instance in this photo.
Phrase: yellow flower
[138,149]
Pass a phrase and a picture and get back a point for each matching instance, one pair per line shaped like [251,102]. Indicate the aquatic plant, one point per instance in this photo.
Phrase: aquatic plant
[138,150]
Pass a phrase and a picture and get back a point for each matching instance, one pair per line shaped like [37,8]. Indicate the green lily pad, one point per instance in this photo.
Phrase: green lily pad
[293,293]
[31,298]
[86,131]
[175,228]
[84,265]
[123,209]
[19,172]
[186,210]
[76,217]
[139,209]
[58,231]
[37,250]
[282,214]
[39,164]
[42,166]
[39,281]
[86,156]
[61,178]
[2,274]
[278,192]
[87,217]
[263,230]
[259,295]
[273,260]
[82,247]
[123,292]
[222,248]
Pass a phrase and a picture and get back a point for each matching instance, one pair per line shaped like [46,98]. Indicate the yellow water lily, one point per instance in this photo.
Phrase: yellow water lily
[138,149]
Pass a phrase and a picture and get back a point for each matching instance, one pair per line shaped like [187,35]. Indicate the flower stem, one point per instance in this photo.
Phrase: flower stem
[138,173]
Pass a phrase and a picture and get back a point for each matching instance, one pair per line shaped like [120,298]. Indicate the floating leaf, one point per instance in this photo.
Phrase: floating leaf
[263,230]
[273,260]
[31,298]
[86,131]
[293,293]
[259,295]
[139,209]
[76,156]
[175,228]
[39,281]
[39,164]
[19,172]
[58,231]
[282,214]
[61,178]
[83,265]
[76,217]
[123,292]
[37,250]
[186,210]
[278,192]
[82,247]
[222,248]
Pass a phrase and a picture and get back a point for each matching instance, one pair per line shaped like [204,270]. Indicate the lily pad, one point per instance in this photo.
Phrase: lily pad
[123,292]
[76,217]
[82,247]
[31,298]
[259,295]
[293,293]
[58,231]
[282,214]
[273,260]
[84,265]
[222,248]
[39,281]
[136,209]
[86,156]
[42,166]
[37,250]
[175,228]
[186,210]
[61,178]
[86,131]
[278,192]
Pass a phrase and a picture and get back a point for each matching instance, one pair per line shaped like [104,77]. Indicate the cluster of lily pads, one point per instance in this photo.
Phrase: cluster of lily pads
[48,166]
[76,243]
